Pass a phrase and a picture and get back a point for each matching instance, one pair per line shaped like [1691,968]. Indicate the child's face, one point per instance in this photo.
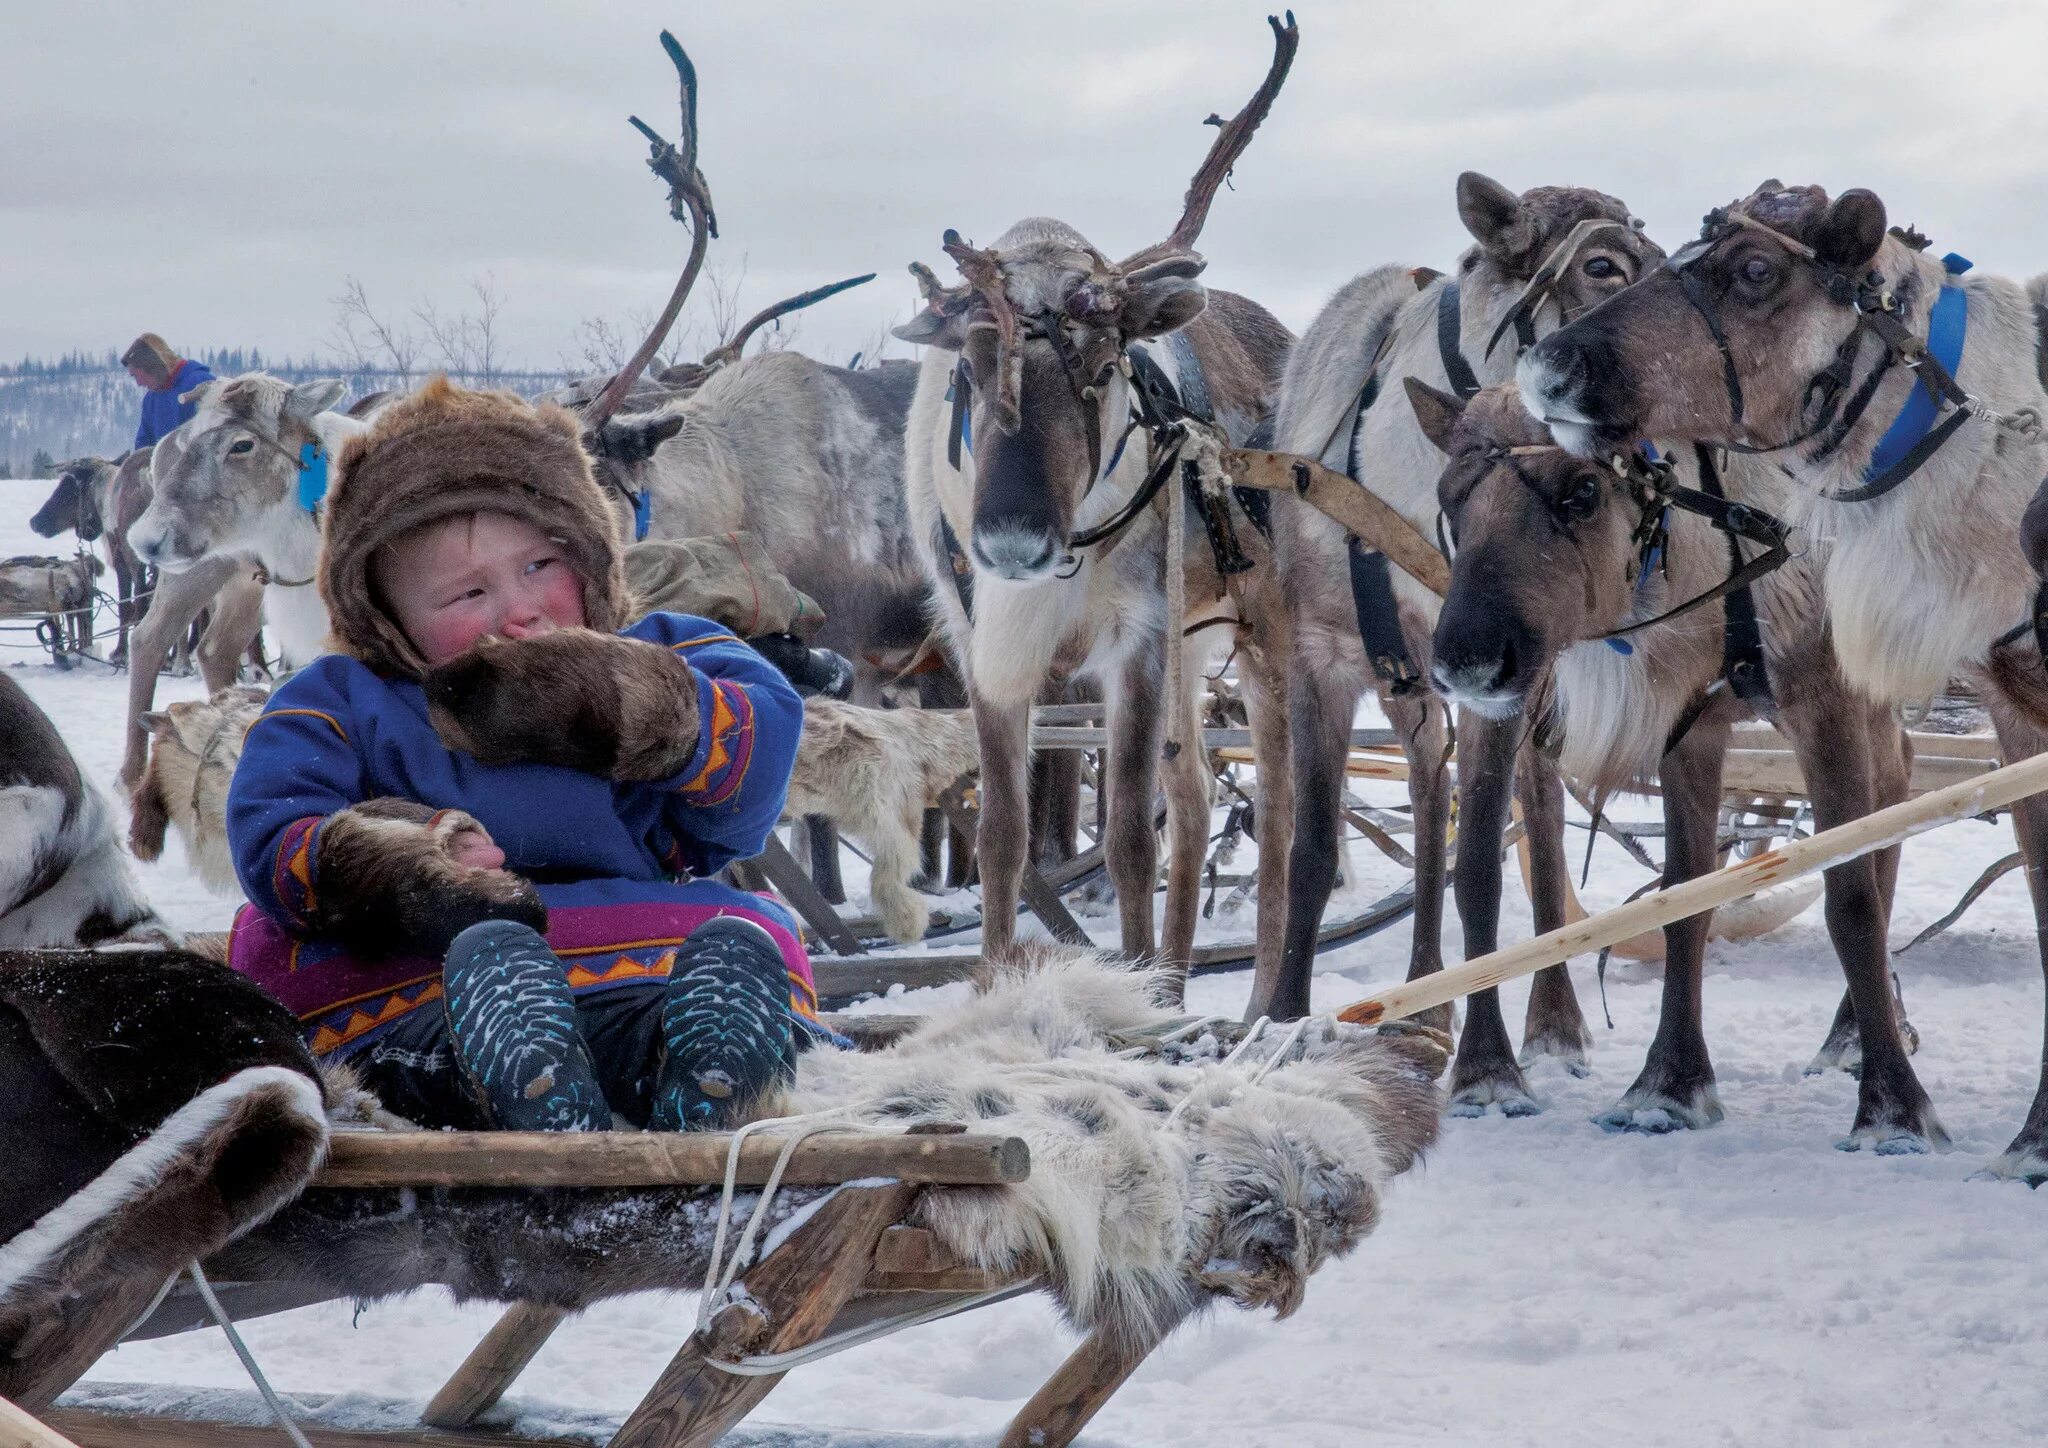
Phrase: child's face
[462,579]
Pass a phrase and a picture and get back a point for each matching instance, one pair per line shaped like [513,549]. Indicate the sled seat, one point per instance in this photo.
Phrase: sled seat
[851,1262]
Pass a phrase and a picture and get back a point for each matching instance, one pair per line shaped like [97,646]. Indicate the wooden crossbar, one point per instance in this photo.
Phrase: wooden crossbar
[1875,831]
[661,1158]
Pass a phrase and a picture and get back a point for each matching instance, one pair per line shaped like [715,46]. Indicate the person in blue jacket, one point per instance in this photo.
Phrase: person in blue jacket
[479,839]
[164,377]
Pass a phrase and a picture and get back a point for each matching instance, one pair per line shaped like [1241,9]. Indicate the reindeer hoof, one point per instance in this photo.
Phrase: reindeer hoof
[1512,1098]
[1568,1052]
[1653,1112]
[2027,1164]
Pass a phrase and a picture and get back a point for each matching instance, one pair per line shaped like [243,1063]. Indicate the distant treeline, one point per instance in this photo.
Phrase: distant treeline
[58,408]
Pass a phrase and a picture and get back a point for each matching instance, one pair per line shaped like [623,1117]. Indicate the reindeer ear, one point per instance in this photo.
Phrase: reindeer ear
[157,723]
[198,395]
[1438,412]
[1487,208]
[311,398]
[1162,298]
[1851,230]
[934,329]
[633,439]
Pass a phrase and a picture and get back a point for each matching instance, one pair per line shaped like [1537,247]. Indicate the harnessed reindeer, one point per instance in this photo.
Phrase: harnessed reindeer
[1539,257]
[1047,421]
[1798,327]
[1613,607]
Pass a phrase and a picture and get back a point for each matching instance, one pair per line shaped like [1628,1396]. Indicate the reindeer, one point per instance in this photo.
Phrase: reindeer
[1539,257]
[1799,328]
[89,500]
[1025,453]
[1594,600]
[244,476]
[63,878]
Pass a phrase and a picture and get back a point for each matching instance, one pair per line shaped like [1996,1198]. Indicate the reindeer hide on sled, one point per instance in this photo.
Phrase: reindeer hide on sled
[1160,1181]
[157,1106]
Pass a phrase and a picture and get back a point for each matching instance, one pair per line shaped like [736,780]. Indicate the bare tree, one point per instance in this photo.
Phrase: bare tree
[466,343]
[368,342]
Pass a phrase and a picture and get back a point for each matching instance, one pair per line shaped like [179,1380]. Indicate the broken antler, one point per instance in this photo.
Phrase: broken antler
[982,270]
[729,350]
[689,201]
[1231,139]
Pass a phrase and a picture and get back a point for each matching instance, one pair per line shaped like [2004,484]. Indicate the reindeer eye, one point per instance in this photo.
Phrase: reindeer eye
[1758,270]
[1602,268]
[1582,496]
[241,445]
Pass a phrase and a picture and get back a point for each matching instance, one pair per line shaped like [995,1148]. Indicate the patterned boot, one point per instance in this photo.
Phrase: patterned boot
[514,1024]
[724,1027]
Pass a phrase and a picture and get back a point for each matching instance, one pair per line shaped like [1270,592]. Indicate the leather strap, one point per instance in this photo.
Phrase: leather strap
[1450,343]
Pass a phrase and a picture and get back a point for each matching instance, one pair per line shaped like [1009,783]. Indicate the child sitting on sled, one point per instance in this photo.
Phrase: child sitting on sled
[479,838]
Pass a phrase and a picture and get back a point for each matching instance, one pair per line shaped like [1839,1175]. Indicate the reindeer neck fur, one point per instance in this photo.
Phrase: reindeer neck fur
[1615,711]
[1920,581]
[287,544]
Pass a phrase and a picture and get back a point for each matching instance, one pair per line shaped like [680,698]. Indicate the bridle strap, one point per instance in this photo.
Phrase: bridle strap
[1450,344]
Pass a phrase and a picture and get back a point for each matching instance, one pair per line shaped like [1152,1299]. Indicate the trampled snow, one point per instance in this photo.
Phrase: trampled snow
[1535,1282]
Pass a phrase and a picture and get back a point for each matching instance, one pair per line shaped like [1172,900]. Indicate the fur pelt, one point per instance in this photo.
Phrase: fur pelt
[874,772]
[194,747]
[389,885]
[63,879]
[444,452]
[157,1106]
[616,707]
[1134,1216]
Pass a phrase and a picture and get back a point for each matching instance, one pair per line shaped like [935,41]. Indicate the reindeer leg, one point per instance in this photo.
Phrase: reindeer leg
[237,617]
[821,836]
[1420,721]
[2026,1159]
[1485,1072]
[179,598]
[1676,1085]
[1265,683]
[1555,1025]
[1002,838]
[1320,705]
[1891,764]
[1137,723]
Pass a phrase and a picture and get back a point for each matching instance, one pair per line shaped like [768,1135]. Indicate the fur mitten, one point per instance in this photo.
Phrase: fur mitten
[617,707]
[387,884]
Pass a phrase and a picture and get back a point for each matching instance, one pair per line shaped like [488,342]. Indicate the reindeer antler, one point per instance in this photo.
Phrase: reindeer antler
[1231,139]
[689,201]
[982,270]
[729,350]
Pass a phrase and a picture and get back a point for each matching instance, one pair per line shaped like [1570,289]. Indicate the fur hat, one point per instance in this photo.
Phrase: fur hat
[446,452]
[152,355]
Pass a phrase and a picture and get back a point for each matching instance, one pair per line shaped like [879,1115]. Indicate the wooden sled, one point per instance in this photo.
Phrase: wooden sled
[851,1264]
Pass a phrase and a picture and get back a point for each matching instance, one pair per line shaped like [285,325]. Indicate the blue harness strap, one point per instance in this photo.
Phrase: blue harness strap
[1948,328]
[312,475]
[643,515]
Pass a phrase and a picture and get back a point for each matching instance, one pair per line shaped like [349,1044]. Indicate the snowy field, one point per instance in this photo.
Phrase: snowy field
[1535,1282]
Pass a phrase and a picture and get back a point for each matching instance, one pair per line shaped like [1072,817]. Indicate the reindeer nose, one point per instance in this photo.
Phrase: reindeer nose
[1475,677]
[1015,553]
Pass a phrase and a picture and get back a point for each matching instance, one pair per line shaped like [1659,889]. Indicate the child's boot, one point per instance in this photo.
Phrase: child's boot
[514,1024]
[724,1026]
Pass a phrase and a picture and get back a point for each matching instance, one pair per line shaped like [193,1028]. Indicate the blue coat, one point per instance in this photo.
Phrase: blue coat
[607,853]
[161,410]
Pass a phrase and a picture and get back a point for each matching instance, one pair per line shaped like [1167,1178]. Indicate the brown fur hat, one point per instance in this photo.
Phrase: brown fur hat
[152,355]
[447,452]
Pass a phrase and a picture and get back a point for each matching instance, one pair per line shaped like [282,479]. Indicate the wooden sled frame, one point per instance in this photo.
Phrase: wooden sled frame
[851,1262]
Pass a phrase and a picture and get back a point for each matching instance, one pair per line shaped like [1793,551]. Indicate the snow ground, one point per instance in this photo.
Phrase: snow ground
[1536,1282]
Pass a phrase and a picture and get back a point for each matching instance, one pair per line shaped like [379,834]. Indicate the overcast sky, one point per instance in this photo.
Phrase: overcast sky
[215,171]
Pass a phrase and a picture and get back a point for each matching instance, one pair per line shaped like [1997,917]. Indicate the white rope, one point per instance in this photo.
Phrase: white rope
[767,1364]
[718,1272]
[227,1325]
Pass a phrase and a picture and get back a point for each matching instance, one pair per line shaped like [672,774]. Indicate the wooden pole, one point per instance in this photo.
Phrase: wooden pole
[19,1429]
[1801,857]
[661,1158]
[491,1367]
